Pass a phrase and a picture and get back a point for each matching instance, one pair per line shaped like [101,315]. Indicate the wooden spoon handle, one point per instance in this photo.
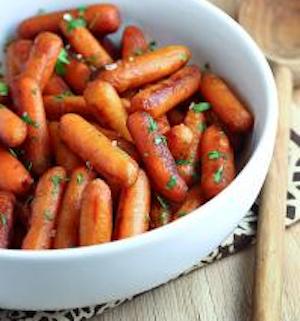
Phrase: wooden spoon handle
[269,250]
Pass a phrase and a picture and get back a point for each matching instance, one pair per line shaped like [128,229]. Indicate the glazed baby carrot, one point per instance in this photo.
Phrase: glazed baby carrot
[159,98]
[163,124]
[175,117]
[105,103]
[84,43]
[133,209]
[29,101]
[217,162]
[195,120]
[179,140]
[16,56]
[42,58]
[67,229]
[14,176]
[147,68]
[126,103]
[63,155]
[227,106]
[194,199]
[13,130]
[96,216]
[55,86]
[133,42]
[120,142]
[7,203]
[159,163]
[161,212]
[100,18]
[77,74]
[59,105]
[87,142]
[45,208]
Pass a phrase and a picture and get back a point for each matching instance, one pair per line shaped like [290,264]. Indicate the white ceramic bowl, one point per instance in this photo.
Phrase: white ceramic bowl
[85,276]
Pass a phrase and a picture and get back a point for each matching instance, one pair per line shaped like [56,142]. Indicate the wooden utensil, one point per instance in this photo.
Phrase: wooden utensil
[275,26]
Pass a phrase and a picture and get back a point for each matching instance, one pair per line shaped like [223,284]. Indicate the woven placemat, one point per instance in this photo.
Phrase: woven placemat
[242,237]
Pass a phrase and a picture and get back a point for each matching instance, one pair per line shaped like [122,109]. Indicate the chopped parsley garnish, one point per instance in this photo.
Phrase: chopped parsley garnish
[13,152]
[67,179]
[62,60]
[26,119]
[164,217]
[3,219]
[162,202]
[61,97]
[201,127]
[181,213]
[152,125]
[160,140]
[89,59]
[28,165]
[183,57]
[80,178]
[218,175]
[28,200]
[172,182]
[139,52]
[215,154]
[200,107]
[93,22]
[48,215]
[3,89]
[56,180]
[73,23]
[183,162]
[196,177]
[152,45]
[81,10]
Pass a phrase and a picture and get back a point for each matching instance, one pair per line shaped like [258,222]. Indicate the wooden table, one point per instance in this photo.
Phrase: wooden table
[219,291]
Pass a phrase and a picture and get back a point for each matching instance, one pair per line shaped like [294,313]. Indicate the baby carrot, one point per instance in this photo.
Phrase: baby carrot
[7,204]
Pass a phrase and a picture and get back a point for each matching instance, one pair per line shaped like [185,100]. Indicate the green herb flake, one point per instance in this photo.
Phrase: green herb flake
[215,154]
[13,152]
[3,89]
[218,175]
[152,125]
[181,213]
[206,67]
[81,10]
[162,202]
[201,127]
[94,20]
[160,140]
[172,182]
[34,91]
[183,57]
[80,178]
[196,177]
[56,180]
[3,219]
[89,59]
[164,217]
[139,52]
[62,96]
[26,119]
[2,106]
[48,215]
[183,162]
[67,180]
[62,60]
[28,200]
[76,23]
[200,107]
[28,165]
[152,45]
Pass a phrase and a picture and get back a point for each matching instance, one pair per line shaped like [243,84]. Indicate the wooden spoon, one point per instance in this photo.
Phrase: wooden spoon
[275,26]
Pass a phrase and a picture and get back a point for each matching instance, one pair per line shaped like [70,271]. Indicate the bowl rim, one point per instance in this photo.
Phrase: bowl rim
[268,132]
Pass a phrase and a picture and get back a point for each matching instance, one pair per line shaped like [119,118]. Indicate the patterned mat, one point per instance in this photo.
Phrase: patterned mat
[242,237]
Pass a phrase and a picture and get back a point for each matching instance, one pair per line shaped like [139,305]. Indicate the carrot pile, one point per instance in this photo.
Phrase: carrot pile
[102,141]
